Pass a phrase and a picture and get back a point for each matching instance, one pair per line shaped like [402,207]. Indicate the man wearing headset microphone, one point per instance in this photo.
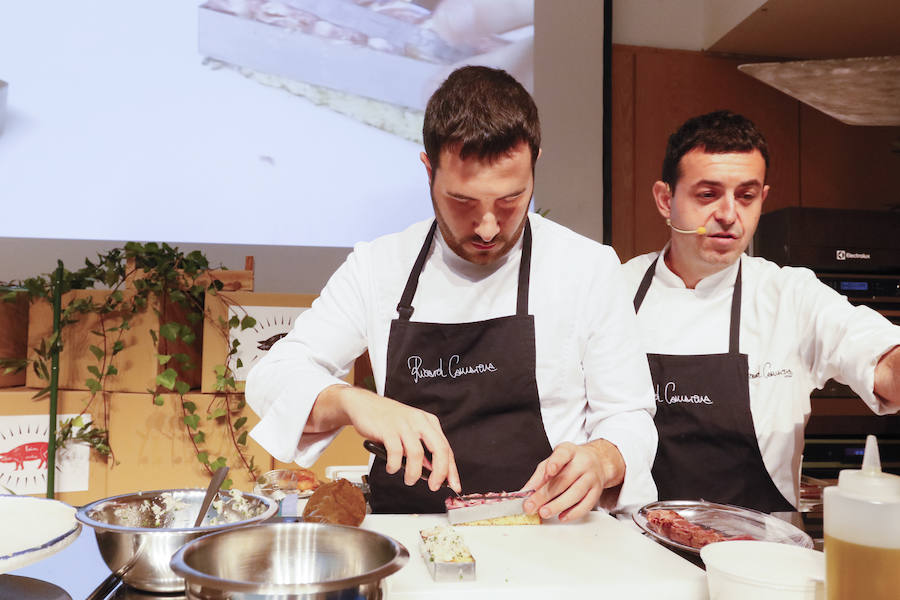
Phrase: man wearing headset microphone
[736,343]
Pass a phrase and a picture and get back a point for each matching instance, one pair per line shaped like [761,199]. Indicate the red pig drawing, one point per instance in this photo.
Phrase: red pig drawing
[29,451]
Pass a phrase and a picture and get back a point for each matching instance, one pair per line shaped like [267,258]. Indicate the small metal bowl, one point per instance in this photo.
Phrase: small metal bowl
[290,561]
[138,533]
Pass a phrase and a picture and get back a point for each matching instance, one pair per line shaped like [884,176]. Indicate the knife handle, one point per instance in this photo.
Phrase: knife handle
[378,449]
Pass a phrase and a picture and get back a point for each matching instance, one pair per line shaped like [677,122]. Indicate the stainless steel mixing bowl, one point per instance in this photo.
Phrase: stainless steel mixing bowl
[289,561]
[138,533]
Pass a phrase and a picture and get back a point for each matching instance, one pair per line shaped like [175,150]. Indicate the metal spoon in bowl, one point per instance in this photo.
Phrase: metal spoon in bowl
[211,492]
[114,580]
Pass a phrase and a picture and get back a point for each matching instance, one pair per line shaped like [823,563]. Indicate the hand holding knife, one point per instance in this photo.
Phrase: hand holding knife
[379,450]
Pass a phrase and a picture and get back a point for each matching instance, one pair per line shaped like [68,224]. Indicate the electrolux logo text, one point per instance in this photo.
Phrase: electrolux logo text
[844,255]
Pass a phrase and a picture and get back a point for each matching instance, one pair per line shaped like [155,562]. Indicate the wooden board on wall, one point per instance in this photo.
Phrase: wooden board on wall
[671,86]
[13,336]
[847,166]
[622,135]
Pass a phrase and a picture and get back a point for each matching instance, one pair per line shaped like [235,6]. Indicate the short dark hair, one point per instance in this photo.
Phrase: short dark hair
[483,111]
[717,132]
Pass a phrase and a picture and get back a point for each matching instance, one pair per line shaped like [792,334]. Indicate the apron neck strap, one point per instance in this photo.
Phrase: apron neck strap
[524,271]
[405,307]
[734,332]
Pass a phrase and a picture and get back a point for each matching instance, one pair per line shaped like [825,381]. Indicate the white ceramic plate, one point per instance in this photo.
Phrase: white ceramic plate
[728,520]
[33,529]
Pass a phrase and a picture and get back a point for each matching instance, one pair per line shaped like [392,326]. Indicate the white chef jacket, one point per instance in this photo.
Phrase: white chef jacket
[592,377]
[796,331]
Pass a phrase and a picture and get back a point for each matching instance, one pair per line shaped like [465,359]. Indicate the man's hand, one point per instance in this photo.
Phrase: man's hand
[569,482]
[404,431]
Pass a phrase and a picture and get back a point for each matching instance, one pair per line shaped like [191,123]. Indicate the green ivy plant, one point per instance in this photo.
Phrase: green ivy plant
[147,271]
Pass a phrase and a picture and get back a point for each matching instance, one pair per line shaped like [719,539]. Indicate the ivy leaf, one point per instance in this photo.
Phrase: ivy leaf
[219,463]
[199,437]
[240,423]
[192,421]
[220,370]
[163,358]
[239,363]
[247,322]
[203,457]
[181,357]
[153,335]
[112,370]
[167,378]
[242,439]
[93,370]
[118,346]
[234,321]
[93,384]
[182,387]
[97,333]
[158,400]
[189,407]
[97,352]
[170,331]
[219,412]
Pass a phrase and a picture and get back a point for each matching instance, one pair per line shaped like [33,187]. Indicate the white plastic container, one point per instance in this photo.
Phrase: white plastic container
[751,570]
[862,532]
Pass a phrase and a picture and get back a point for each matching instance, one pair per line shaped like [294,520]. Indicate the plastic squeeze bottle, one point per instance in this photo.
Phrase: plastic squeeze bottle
[862,532]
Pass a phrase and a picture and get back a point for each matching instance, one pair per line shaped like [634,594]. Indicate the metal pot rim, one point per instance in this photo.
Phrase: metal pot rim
[82,514]
[193,577]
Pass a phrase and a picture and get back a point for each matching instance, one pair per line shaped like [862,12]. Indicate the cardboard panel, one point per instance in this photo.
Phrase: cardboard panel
[18,401]
[13,336]
[346,449]
[277,320]
[137,363]
[154,450]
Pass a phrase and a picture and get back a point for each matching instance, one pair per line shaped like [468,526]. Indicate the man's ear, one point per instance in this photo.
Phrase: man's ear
[424,158]
[765,194]
[662,194]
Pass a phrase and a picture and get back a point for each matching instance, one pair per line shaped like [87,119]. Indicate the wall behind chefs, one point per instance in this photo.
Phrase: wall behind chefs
[504,346]
[736,343]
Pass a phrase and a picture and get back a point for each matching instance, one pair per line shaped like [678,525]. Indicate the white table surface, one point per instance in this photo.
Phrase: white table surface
[598,557]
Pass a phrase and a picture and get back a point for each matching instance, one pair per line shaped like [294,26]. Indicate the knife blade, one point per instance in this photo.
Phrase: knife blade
[346,13]
[481,507]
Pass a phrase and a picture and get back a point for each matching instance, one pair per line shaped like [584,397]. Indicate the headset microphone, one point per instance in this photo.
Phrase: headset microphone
[699,230]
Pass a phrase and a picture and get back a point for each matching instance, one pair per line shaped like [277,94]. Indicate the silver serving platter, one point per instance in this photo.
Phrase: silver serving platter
[727,519]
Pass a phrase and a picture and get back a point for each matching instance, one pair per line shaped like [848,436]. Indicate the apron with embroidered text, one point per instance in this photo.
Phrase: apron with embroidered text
[707,442]
[478,378]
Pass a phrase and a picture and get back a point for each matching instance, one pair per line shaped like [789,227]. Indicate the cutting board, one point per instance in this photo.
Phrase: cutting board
[596,557]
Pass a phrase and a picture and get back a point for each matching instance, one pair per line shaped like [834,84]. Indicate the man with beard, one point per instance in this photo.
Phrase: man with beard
[502,344]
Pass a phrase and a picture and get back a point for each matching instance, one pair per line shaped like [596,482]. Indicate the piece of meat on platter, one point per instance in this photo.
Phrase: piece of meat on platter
[673,526]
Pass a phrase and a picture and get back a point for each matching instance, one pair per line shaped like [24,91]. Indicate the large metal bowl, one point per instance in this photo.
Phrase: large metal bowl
[138,533]
[290,561]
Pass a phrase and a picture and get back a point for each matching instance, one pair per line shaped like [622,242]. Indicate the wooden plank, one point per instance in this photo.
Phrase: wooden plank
[672,86]
[846,166]
[622,184]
